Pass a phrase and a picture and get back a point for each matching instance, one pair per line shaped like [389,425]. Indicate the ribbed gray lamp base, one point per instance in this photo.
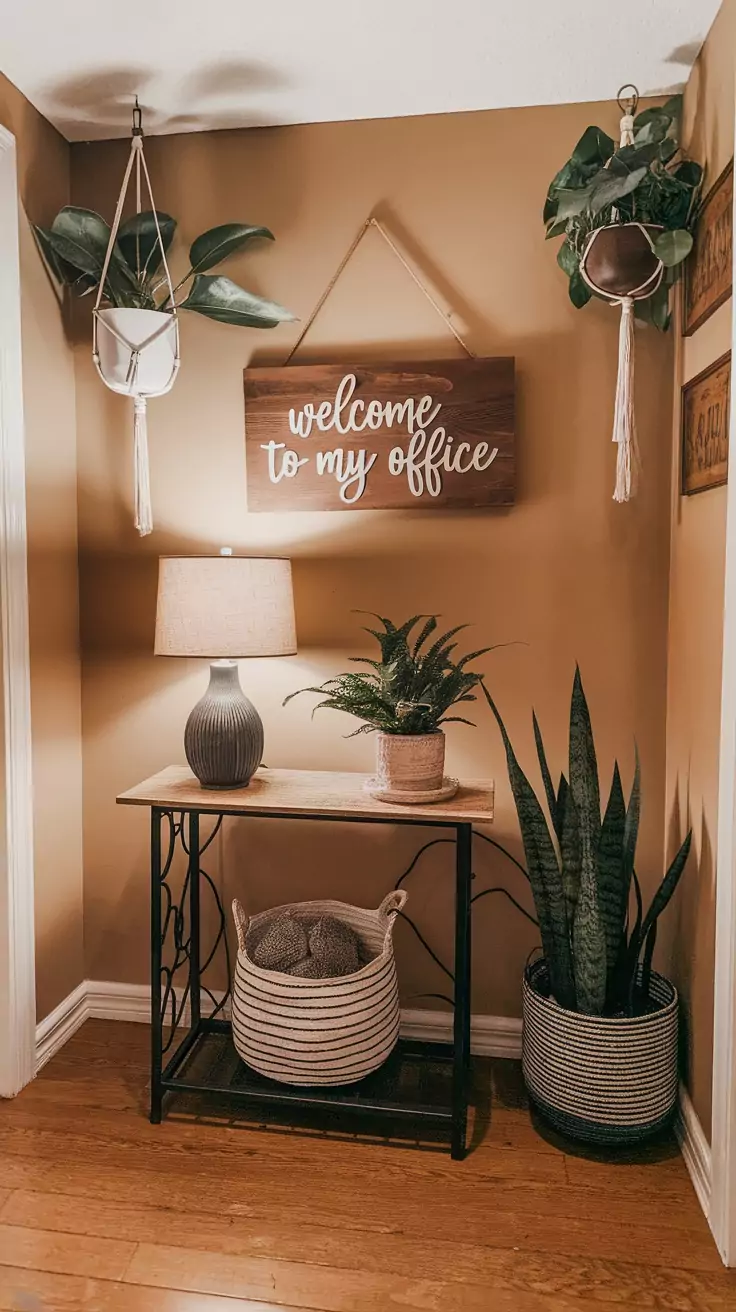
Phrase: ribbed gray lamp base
[223,739]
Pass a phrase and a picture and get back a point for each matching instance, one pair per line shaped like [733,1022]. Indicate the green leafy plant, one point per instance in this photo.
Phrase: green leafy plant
[413,685]
[75,245]
[650,182]
[582,873]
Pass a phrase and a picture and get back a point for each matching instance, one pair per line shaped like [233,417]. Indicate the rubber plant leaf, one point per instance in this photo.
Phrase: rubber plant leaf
[217,243]
[544,874]
[65,273]
[673,247]
[139,244]
[81,237]
[220,298]
[612,881]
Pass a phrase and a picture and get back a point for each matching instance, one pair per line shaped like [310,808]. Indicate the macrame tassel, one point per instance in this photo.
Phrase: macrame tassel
[624,418]
[143,512]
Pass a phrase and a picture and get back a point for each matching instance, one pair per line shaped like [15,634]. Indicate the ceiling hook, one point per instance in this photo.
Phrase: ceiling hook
[628,104]
[137,120]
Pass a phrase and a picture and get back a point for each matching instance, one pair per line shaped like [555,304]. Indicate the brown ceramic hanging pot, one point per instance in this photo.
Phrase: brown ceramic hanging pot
[619,263]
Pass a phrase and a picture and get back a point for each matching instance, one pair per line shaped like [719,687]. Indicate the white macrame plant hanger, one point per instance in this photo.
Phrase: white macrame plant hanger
[628,459]
[140,395]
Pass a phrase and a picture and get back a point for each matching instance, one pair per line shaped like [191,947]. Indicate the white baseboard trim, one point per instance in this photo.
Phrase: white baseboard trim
[57,1028]
[491,1036]
[695,1149]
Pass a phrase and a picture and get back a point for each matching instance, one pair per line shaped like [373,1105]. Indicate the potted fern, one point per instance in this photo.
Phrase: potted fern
[405,698]
[600,1025]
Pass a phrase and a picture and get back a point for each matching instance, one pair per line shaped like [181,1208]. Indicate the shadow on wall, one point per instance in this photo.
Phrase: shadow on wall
[692,946]
[98,104]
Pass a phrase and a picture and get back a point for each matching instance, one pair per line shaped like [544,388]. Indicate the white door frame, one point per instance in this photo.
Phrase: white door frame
[17,935]
[723,1147]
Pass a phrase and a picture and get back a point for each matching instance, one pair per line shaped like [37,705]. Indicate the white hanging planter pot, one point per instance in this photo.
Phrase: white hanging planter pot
[137,351]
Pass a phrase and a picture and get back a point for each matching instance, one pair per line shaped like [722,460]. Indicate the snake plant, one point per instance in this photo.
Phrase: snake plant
[597,940]
[75,245]
[411,688]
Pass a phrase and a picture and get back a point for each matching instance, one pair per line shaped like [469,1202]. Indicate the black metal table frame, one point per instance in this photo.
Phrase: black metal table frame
[179,921]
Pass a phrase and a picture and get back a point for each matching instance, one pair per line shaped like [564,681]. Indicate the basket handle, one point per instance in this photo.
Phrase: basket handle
[241,923]
[393,902]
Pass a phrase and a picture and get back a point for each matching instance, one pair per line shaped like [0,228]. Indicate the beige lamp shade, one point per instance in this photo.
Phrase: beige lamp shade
[224,606]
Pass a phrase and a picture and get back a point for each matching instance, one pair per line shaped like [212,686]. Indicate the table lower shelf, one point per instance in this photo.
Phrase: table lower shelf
[414,1085]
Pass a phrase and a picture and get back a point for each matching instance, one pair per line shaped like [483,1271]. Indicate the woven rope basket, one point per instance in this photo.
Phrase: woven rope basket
[319,1031]
[605,1080]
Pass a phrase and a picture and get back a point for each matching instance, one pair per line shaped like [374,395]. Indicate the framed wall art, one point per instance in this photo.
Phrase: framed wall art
[705,428]
[709,268]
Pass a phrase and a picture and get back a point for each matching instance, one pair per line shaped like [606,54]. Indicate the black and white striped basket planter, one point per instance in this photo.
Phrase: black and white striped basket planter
[604,1080]
[319,1031]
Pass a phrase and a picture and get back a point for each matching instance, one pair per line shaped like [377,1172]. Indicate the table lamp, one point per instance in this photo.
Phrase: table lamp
[224,607]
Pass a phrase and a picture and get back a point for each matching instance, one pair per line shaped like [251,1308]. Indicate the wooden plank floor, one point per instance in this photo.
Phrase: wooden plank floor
[102,1212]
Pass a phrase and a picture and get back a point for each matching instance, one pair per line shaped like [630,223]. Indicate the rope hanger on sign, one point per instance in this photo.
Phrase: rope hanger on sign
[373,222]
[136,350]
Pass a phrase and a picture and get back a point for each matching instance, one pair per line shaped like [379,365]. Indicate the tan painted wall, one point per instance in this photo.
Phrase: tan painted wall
[696,610]
[566,571]
[43,166]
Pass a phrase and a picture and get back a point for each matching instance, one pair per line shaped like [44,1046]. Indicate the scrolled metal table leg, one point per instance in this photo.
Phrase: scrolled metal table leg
[156,951]
[461,1026]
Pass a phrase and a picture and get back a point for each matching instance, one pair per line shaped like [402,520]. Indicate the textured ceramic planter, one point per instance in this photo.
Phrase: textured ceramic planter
[137,350]
[410,762]
[601,1079]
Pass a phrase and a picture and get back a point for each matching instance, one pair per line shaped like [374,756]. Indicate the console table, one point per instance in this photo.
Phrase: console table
[186,1009]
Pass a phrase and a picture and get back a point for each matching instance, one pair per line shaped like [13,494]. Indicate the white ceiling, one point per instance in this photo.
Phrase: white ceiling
[235,63]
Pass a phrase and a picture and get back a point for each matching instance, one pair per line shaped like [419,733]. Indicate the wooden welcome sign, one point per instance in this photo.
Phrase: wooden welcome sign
[427,435]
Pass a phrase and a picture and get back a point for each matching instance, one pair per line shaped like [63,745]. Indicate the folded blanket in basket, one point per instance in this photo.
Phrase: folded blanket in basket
[314,949]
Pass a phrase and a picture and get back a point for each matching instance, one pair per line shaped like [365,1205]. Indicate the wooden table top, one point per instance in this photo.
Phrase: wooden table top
[306,792]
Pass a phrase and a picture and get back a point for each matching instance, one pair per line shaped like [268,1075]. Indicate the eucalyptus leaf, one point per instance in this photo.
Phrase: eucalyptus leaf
[659,305]
[556,229]
[571,202]
[217,243]
[222,299]
[568,258]
[614,187]
[673,247]
[653,131]
[654,114]
[579,290]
